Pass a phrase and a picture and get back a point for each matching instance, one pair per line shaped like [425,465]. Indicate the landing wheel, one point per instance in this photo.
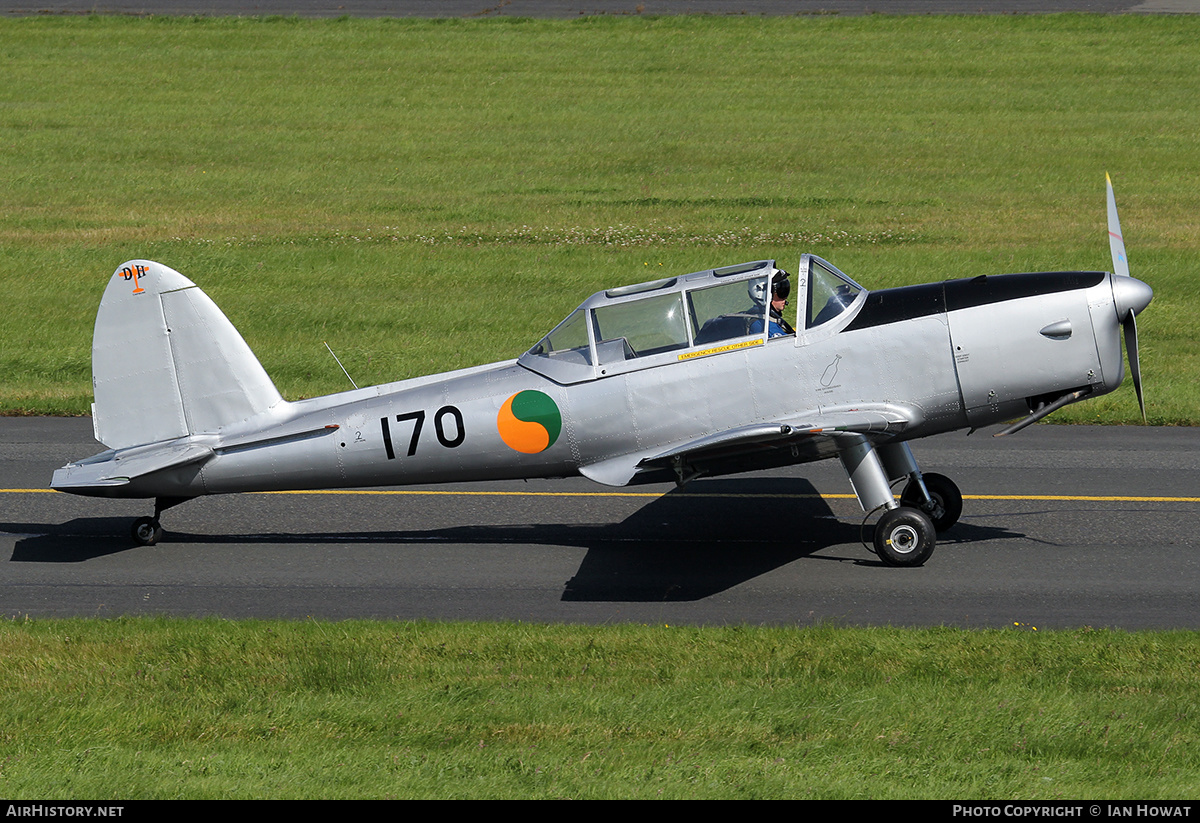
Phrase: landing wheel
[904,536]
[146,531]
[947,500]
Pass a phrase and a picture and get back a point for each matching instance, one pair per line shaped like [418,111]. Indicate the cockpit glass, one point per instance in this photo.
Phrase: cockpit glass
[728,310]
[568,341]
[828,294]
[640,327]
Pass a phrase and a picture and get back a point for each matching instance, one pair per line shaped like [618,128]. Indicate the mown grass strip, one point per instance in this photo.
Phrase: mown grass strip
[155,707]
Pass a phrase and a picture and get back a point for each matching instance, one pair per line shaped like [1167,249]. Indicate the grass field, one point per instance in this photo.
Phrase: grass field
[430,194]
[151,708]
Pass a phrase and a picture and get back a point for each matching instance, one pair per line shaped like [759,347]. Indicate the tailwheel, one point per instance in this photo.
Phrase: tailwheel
[943,493]
[146,531]
[904,536]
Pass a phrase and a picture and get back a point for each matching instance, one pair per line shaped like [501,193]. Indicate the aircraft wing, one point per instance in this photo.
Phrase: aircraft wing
[800,439]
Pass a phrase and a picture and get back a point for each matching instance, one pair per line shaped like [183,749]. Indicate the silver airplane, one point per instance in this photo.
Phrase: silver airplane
[689,376]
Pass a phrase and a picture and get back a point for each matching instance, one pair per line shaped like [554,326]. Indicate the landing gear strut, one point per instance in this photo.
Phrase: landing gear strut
[907,532]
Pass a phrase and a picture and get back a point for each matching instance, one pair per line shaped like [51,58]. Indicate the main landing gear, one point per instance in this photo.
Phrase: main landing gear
[147,531]
[906,532]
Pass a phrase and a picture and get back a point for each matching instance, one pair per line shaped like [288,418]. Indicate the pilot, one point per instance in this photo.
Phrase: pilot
[781,287]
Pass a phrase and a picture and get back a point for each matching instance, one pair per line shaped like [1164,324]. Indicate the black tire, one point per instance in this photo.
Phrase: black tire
[146,531]
[947,499]
[904,536]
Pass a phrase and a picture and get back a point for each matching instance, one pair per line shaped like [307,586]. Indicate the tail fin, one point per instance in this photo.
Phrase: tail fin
[167,363]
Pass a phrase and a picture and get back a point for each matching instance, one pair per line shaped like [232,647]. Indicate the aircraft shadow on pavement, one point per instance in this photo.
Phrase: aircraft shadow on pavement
[689,544]
[75,541]
[712,535]
[707,537]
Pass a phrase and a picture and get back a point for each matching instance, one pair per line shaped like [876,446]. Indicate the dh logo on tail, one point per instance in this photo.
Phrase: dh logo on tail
[133,273]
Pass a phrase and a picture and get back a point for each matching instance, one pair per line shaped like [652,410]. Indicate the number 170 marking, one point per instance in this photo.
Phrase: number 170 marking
[418,420]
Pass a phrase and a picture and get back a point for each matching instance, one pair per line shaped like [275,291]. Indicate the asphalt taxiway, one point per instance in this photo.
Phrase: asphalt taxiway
[1064,526]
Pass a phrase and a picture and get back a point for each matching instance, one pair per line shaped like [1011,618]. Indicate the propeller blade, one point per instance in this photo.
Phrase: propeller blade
[1116,243]
[1130,298]
[1135,367]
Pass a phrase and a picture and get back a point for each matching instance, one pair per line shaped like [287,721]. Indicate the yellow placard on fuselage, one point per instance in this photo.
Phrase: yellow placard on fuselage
[719,349]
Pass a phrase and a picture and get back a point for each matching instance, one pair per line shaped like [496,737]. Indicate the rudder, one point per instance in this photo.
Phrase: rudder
[167,363]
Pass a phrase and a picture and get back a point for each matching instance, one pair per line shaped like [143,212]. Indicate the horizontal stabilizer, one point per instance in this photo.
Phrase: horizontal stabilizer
[113,468]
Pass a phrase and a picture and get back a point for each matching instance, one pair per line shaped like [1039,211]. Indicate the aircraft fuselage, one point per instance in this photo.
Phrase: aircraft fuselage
[945,356]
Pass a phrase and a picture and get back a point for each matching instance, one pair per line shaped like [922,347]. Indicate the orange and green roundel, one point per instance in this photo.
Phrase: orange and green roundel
[529,422]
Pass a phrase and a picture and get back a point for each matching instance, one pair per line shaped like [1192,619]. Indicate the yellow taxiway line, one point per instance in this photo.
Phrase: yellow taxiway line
[459,493]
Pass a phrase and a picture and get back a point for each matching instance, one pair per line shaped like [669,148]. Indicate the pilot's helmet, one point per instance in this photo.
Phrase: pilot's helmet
[781,286]
[758,290]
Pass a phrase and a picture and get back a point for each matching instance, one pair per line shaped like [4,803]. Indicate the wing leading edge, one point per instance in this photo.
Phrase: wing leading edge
[802,439]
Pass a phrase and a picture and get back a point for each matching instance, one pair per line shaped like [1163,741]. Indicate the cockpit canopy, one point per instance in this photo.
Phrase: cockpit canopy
[681,318]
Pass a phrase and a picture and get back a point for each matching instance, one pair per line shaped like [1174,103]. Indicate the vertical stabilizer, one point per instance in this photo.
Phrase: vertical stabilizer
[167,363]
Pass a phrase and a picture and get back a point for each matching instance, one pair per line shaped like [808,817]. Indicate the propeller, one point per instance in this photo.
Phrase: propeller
[1131,295]
[1116,243]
